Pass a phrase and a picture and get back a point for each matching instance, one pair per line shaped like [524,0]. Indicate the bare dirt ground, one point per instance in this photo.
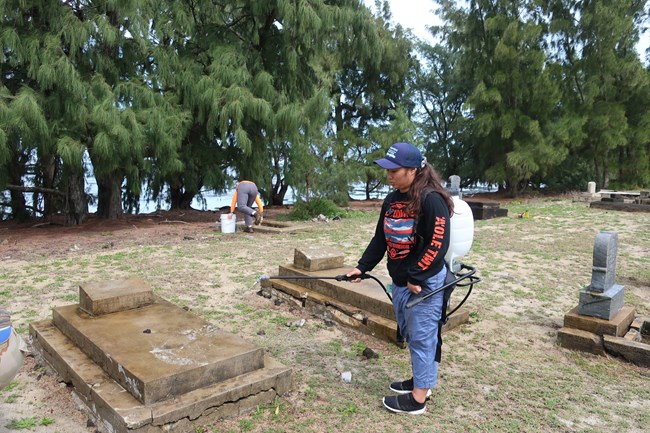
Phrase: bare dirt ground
[501,373]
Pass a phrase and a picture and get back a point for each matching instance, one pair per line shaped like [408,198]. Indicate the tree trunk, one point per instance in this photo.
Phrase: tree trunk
[77,208]
[51,203]
[605,173]
[109,196]
[180,198]
[19,209]
[605,177]
[278,192]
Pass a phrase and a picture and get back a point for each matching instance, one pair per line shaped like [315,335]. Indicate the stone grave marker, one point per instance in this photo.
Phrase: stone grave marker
[603,298]
[591,188]
[454,186]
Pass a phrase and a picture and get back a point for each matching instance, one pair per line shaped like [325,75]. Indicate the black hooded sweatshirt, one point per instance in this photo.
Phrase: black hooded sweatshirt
[415,245]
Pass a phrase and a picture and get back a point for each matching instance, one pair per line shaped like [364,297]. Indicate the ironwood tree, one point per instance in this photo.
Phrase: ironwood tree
[512,101]
[603,82]
[76,99]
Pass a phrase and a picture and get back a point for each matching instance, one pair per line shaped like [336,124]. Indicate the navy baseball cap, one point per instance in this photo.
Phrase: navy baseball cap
[401,155]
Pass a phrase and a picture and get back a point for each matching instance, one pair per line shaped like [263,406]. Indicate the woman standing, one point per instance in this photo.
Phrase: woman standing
[413,230]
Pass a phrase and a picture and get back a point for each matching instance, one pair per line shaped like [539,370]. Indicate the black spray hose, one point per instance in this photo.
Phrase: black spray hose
[343,277]
[456,282]
[310,277]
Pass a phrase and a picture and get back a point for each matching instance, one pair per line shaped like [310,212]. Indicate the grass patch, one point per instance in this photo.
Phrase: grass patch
[501,372]
[29,423]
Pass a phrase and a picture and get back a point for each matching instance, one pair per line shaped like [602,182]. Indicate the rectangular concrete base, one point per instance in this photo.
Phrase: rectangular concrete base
[587,197]
[486,210]
[604,304]
[317,258]
[635,352]
[362,306]
[115,410]
[104,297]
[618,326]
[576,339]
[367,294]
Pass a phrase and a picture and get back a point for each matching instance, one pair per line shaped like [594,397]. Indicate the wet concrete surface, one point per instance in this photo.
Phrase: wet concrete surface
[158,351]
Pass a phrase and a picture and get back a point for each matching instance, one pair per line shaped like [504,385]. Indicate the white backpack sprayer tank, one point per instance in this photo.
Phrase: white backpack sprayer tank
[461,233]
[461,236]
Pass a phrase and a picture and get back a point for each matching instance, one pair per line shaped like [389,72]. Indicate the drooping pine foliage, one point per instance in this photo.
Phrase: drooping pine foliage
[368,86]
[173,96]
[77,93]
[552,93]
[512,101]
[609,78]
[164,100]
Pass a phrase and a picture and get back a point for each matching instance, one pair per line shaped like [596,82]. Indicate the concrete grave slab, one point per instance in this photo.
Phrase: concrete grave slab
[363,306]
[115,410]
[577,339]
[278,227]
[367,294]
[103,297]
[158,351]
[633,351]
[317,258]
[486,210]
[626,207]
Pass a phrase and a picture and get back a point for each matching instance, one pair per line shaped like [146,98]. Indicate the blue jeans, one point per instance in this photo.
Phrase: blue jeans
[419,326]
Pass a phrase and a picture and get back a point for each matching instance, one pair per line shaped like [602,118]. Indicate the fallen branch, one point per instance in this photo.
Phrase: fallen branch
[41,224]
[34,189]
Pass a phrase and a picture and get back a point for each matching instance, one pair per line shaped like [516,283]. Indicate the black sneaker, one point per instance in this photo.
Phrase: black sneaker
[258,218]
[248,229]
[404,403]
[405,387]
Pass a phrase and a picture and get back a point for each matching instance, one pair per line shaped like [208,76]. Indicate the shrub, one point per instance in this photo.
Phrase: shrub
[572,175]
[320,206]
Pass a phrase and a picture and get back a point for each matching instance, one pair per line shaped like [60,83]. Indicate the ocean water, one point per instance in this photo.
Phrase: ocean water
[210,200]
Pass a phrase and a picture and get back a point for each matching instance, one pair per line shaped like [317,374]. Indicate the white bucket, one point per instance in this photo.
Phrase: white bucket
[228,225]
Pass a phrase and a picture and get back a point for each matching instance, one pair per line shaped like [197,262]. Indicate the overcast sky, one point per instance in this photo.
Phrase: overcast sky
[412,14]
[417,14]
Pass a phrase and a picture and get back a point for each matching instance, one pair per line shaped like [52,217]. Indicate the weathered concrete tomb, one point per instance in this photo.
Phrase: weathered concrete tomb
[624,201]
[363,306]
[590,195]
[143,365]
[484,210]
[602,323]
